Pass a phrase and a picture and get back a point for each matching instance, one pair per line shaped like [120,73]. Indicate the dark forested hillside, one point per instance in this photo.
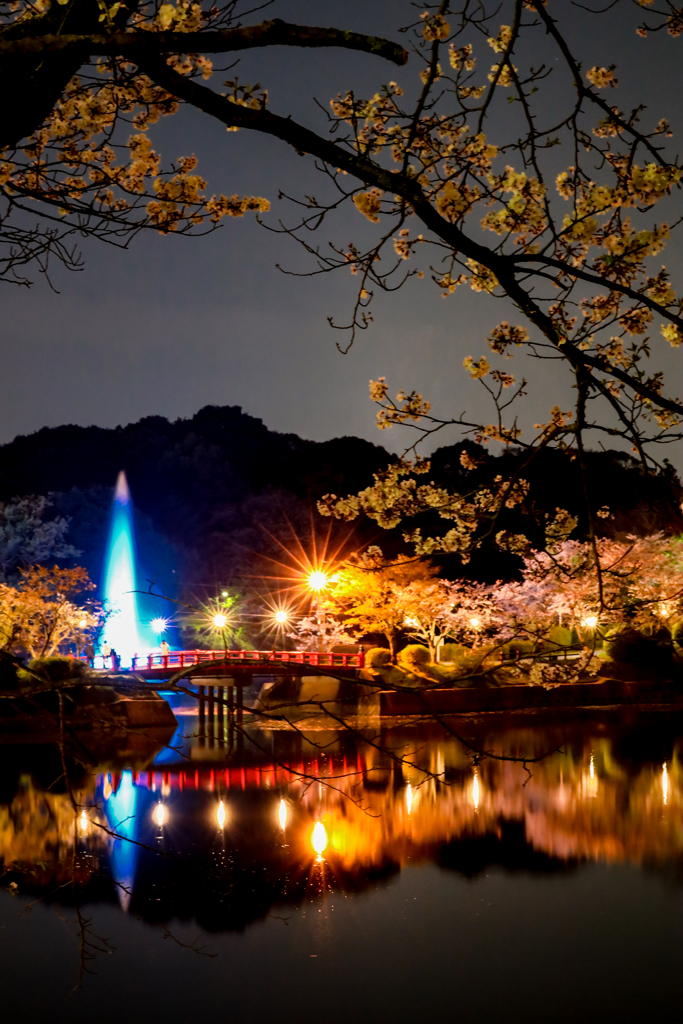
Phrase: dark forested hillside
[208,491]
[217,492]
[215,450]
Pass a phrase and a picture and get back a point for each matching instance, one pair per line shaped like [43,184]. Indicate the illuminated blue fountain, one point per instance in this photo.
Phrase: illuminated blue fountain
[122,630]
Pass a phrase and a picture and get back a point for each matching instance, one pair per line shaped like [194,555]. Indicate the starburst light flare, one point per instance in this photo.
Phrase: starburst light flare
[317,580]
[304,570]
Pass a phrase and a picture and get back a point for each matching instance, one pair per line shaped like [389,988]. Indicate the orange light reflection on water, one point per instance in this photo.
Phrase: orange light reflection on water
[319,839]
[475,790]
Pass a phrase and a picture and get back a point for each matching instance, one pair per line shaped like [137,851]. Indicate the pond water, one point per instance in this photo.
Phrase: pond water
[321,875]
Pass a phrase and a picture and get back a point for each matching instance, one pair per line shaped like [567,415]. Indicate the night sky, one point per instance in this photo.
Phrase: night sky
[173,324]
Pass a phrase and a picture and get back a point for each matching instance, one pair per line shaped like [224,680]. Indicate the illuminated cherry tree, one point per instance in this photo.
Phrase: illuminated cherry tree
[502,163]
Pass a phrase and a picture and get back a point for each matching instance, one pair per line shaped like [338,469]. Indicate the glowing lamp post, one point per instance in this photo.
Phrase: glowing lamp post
[317,581]
[281,617]
[589,626]
[219,622]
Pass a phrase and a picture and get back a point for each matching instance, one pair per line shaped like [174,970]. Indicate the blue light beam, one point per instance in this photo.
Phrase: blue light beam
[121,630]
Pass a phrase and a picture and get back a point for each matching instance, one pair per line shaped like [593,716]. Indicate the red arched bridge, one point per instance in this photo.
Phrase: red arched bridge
[161,666]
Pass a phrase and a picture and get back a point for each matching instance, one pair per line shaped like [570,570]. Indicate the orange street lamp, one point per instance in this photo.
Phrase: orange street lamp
[317,580]
[281,617]
[220,621]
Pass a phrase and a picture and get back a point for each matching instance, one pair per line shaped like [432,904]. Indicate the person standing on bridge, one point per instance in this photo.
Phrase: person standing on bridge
[90,653]
[115,660]
[105,651]
[165,650]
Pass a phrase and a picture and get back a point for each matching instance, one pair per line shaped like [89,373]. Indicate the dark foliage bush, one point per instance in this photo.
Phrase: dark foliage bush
[453,652]
[677,637]
[414,658]
[58,669]
[8,672]
[560,635]
[631,647]
[377,658]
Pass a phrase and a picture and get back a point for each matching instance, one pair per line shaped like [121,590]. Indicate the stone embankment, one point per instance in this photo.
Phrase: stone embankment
[368,697]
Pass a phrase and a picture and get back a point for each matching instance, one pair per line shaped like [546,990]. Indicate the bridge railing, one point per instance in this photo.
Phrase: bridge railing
[177,660]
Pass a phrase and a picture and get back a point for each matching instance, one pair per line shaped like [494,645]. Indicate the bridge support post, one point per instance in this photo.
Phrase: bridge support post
[210,711]
[202,717]
[220,697]
[236,711]
[239,699]
[231,714]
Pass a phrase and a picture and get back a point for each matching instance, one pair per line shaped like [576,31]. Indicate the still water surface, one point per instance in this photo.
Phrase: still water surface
[416,879]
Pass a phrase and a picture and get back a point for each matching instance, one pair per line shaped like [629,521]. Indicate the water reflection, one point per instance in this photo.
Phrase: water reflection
[475,790]
[120,812]
[319,839]
[221,815]
[241,836]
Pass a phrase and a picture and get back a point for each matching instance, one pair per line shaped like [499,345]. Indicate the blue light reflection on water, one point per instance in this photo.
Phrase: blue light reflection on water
[184,708]
[121,809]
